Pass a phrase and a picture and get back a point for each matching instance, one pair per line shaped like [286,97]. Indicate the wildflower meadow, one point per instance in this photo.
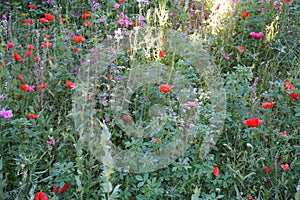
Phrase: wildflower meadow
[149,100]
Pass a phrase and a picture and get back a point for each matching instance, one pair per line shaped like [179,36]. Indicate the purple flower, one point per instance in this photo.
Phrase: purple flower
[49,1]
[52,141]
[106,120]
[1,96]
[6,114]
[235,1]
[101,20]
[4,17]
[104,99]
[141,18]
[117,78]
[96,5]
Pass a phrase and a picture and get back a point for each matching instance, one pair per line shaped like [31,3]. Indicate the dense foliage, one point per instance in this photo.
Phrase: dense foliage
[59,58]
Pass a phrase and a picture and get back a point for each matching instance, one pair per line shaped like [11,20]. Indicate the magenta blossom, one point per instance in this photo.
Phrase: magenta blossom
[226,57]
[6,114]
[52,141]
[257,35]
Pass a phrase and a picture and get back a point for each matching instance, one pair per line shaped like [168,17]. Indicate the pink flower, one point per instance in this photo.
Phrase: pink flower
[155,140]
[109,37]
[31,88]
[10,45]
[257,35]
[226,57]
[277,3]
[141,18]
[192,104]
[284,133]
[117,6]
[106,120]
[127,117]
[285,167]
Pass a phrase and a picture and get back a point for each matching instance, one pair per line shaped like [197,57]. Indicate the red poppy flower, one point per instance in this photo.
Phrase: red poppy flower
[27,21]
[252,122]
[36,59]
[122,1]
[25,87]
[267,169]
[30,47]
[164,88]
[31,6]
[245,14]
[75,49]
[32,116]
[63,189]
[40,196]
[70,84]
[218,7]
[294,95]
[216,171]
[287,1]
[86,23]
[86,15]
[43,20]
[49,17]
[21,78]
[63,20]
[43,86]
[17,57]
[241,49]
[78,38]
[28,53]
[10,45]
[288,86]
[46,44]
[268,105]
[47,36]
[249,197]
[161,54]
